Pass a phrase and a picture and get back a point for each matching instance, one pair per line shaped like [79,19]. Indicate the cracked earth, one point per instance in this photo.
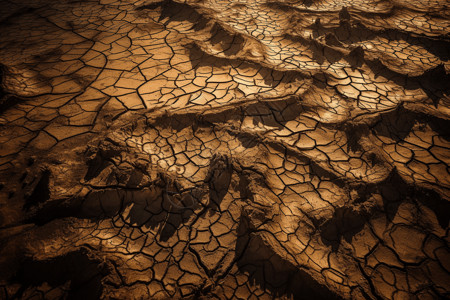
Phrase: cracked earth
[224,149]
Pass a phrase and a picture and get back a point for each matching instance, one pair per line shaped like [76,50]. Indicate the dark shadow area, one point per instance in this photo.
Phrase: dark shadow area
[274,113]
[317,49]
[356,57]
[41,191]
[7,101]
[285,7]
[395,191]
[17,14]
[440,126]
[354,134]
[439,206]
[55,209]
[326,175]
[331,51]
[166,209]
[169,206]
[345,223]
[101,161]
[355,33]
[179,122]
[230,43]
[218,179]
[434,82]
[349,220]
[165,205]
[398,124]
[247,140]
[271,77]
[84,273]
[177,12]
[270,272]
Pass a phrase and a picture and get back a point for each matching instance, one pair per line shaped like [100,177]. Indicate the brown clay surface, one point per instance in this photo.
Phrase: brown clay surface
[222,149]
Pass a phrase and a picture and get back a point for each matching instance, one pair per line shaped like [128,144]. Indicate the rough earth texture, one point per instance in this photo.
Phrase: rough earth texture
[222,149]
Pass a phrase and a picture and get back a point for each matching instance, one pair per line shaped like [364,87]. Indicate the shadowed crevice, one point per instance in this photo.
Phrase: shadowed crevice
[76,273]
[270,272]
[41,191]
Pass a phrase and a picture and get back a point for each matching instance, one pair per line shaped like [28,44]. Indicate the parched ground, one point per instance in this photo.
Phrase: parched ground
[222,149]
